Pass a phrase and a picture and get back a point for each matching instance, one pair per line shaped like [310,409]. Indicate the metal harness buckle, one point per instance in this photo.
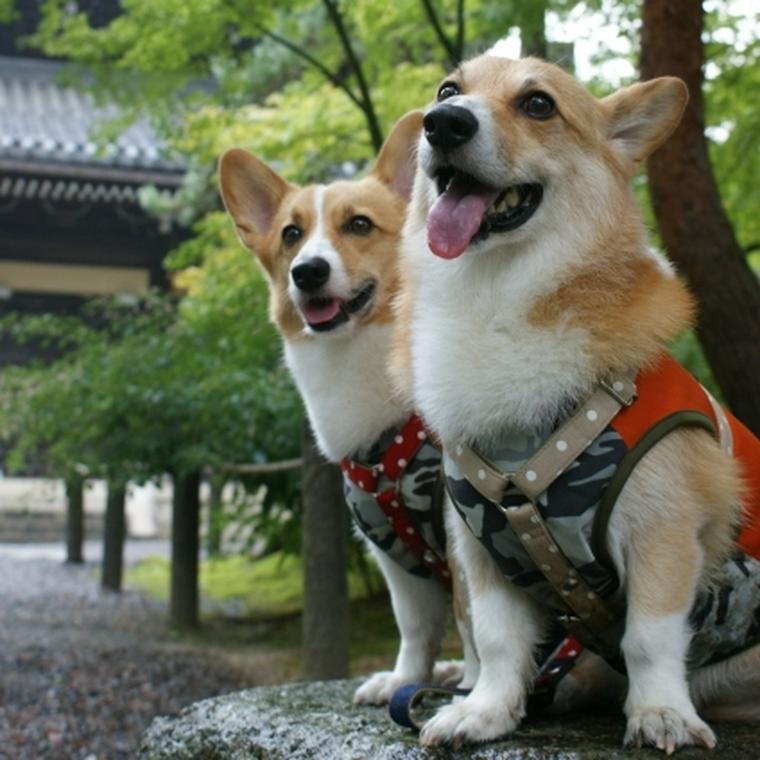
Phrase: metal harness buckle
[609,388]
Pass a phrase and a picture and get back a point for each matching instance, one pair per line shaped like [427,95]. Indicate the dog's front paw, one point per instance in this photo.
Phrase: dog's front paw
[667,730]
[470,721]
[448,673]
[378,688]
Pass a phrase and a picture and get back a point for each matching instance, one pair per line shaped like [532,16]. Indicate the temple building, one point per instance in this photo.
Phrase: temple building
[71,226]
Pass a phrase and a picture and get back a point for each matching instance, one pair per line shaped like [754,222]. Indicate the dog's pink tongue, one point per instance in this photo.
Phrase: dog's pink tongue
[456,217]
[321,310]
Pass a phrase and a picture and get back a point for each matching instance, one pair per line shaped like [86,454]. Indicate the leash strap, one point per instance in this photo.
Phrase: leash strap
[407,707]
[406,702]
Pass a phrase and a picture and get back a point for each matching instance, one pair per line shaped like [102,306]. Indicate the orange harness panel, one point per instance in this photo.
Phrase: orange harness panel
[668,390]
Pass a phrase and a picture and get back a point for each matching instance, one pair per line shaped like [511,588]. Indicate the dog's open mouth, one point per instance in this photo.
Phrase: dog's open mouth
[324,313]
[468,210]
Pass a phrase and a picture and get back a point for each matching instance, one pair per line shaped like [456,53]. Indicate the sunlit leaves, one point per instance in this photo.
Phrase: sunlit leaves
[7,11]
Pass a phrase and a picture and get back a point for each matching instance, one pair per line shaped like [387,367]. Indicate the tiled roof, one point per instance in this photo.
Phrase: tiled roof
[48,128]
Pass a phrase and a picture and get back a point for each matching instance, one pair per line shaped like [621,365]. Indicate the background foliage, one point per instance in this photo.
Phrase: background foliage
[309,85]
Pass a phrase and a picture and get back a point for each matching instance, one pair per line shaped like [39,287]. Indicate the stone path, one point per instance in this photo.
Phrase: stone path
[82,671]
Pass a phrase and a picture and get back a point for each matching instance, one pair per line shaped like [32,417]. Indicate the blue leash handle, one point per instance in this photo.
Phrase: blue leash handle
[558,657]
[409,696]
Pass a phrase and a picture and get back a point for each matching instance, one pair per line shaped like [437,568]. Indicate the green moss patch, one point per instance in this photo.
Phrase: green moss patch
[270,585]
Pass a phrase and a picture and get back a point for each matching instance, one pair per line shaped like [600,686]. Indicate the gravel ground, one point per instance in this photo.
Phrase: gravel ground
[82,671]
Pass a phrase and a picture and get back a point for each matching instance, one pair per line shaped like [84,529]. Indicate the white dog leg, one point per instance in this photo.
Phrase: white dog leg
[462,605]
[420,606]
[663,570]
[658,706]
[507,625]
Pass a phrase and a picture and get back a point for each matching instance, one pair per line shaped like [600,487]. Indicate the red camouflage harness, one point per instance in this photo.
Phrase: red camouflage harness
[393,464]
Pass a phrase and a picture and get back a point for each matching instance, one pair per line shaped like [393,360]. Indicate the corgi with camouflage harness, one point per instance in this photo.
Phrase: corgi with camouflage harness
[591,481]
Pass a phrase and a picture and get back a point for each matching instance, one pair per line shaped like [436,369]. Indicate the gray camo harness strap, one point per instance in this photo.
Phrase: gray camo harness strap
[588,615]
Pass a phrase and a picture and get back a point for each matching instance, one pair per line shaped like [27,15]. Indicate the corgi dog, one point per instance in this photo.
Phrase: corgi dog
[530,337]
[329,253]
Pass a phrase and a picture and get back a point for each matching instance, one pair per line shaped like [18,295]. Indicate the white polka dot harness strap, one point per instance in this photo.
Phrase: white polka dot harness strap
[587,613]
[389,472]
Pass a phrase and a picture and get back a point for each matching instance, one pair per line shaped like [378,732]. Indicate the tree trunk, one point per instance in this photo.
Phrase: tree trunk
[113,536]
[215,515]
[74,519]
[325,545]
[533,29]
[183,603]
[695,229]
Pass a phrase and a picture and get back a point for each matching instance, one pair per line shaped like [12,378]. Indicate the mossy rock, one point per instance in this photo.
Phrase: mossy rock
[317,721]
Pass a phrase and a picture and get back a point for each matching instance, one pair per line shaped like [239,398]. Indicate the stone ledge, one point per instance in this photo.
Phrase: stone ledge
[316,721]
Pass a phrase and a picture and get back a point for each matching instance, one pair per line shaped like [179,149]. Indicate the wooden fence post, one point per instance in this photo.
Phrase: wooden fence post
[113,536]
[324,548]
[183,603]
[74,518]
[217,481]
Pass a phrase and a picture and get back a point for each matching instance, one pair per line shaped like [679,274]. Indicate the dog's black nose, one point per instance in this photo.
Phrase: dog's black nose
[310,275]
[449,126]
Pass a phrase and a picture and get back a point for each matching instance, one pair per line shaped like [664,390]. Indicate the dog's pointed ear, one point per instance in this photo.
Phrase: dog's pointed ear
[252,193]
[396,164]
[641,117]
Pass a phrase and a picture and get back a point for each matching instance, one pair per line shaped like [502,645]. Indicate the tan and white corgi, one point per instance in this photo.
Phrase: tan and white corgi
[330,254]
[531,328]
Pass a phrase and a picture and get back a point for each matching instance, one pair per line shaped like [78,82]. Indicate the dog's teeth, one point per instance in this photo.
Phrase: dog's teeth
[512,198]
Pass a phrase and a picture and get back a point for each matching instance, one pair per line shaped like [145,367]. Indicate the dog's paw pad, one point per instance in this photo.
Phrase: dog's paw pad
[468,722]
[666,729]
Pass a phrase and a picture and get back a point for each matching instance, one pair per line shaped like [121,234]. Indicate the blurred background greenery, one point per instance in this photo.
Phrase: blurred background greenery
[193,380]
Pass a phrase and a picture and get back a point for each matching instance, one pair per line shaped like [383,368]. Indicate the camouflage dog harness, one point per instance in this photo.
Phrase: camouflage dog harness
[540,504]
[393,496]
[395,499]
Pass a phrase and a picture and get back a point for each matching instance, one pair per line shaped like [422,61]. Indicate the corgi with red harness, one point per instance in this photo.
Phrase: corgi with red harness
[330,255]
[591,481]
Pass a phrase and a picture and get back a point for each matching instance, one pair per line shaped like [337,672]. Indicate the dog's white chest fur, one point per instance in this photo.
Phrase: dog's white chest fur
[479,365]
[344,384]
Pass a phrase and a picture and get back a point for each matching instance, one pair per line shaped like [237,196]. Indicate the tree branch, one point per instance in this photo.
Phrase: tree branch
[451,52]
[460,30]
[366,105]
[263,468]
[312,61]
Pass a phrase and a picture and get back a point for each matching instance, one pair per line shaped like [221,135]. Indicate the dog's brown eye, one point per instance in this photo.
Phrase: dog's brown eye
[538,105]
[448,90]
[359,225]
[291,234]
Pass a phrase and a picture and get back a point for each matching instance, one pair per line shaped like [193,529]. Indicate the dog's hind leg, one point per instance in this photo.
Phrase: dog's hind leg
[421,608]
[591,683]
[668,529]
[658,706]
[729,690]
